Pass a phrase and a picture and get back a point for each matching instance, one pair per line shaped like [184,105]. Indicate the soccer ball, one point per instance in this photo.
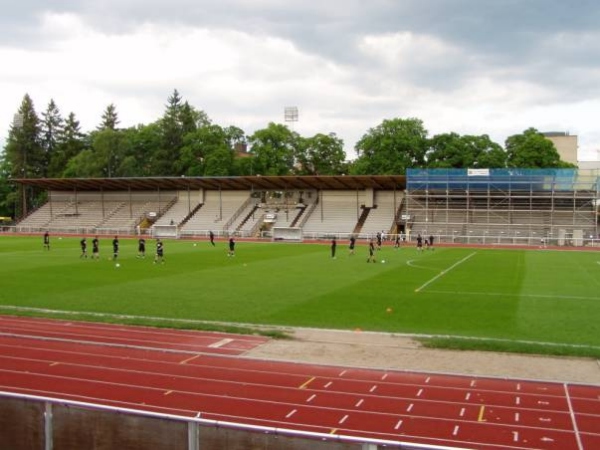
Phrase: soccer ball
[383,261]
[117,265]
[194,245]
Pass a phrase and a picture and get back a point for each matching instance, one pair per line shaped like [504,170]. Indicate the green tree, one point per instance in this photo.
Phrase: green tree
[110,118]
[71,142]
[450,150]
[84,165]
[52,130]
[322,154]
[8,192]
[179,119]
[206,152]
[111,153]
[145,143]
[273,149]
[25,154]
[392,147]
[531,150]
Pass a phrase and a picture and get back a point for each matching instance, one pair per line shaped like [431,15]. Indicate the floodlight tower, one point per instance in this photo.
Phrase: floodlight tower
[290,115]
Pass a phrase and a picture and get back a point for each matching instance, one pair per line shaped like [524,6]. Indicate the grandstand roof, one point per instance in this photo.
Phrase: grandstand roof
[258,182]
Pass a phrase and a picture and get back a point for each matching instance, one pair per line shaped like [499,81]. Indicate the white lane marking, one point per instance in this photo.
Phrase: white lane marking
[221,343]
[360,402]
[398,425]
[291,413]
[343,419]
[410,407]
[311,398]
[573,418]
[420,392]
[373,388]
[455,432]
[328,384]
[462,412]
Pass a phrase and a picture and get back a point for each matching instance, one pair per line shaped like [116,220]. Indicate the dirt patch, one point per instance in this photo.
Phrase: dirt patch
[390,351]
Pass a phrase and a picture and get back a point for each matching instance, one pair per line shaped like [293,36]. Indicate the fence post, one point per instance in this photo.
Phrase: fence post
[48,438]
[193,434]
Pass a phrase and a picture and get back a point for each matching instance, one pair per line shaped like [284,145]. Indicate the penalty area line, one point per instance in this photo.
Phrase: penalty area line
[444,272]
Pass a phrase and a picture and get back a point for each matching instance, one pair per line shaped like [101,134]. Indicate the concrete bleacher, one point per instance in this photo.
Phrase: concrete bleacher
[381,218]
[337,212]
[95,212]
[217,209]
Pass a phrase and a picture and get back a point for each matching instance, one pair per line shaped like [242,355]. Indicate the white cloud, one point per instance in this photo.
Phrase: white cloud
[346,66]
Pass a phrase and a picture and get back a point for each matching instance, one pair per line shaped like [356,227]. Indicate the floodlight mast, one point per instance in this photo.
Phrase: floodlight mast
[290,114]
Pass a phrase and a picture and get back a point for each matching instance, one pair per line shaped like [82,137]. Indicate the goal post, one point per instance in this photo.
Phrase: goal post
[290,234]
[165,231]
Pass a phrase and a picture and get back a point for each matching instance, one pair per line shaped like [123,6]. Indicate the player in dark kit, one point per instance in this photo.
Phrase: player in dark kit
[352,244]
[430,242]
[371,257]
[379,239]
[333,247]
[95,248]
[83,244]
[211,236]
[419,243]
[141,248]
[46,241]
[159,252]
[115,244]
[231,251]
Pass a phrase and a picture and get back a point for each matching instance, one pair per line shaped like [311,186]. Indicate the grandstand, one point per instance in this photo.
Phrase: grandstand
[503,206]
[476,206]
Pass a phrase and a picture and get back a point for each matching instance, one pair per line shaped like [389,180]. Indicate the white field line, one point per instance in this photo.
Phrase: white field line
[502,294]
[411,263]
[444,272]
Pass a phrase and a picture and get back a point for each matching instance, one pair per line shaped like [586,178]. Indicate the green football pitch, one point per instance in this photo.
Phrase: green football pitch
[536,300]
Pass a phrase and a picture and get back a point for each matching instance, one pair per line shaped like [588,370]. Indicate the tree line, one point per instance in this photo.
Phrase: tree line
[184,141]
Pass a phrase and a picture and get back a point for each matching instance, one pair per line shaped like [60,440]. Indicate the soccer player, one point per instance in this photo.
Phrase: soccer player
[431,242]
[379,238]
[83,244]
[95,248]
[333,247]
[211,236]
[419,243]
[160,256]
[371,257]
[352,244]
[141,248]
[46,241]
[115,244]
[231,251]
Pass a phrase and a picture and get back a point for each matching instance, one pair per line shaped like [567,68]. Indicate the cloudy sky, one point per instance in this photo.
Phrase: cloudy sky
[493,67]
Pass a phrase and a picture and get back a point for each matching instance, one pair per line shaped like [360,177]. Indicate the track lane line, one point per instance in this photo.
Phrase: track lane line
[573,418]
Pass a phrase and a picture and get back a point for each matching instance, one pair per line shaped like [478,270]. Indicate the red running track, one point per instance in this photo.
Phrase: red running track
[186,373]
